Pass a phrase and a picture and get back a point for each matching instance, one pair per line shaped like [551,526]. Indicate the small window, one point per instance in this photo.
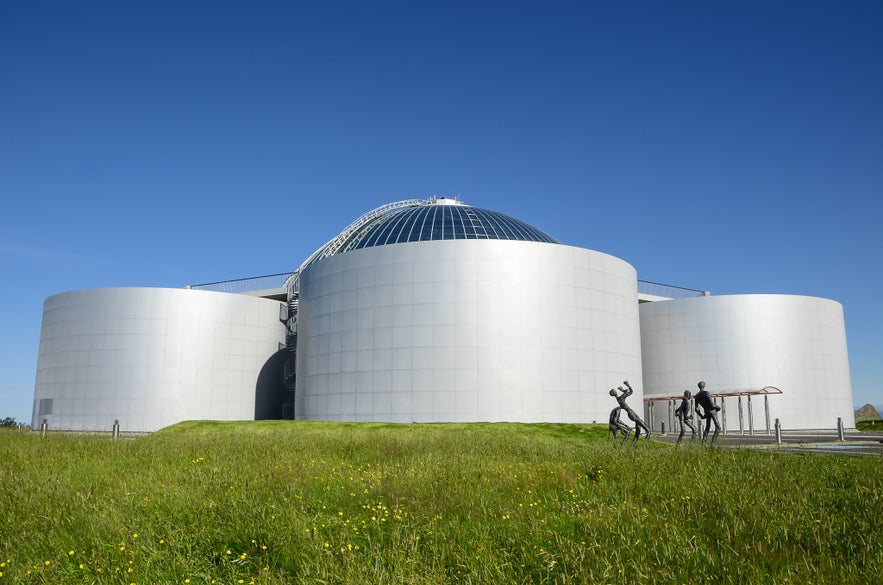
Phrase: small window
[45,407]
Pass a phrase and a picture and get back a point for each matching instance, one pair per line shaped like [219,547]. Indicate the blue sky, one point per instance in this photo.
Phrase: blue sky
[735,147]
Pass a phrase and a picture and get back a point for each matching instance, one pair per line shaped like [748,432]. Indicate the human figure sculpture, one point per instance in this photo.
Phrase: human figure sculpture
[617,426]
[683,414]
[631,414]
[708,411]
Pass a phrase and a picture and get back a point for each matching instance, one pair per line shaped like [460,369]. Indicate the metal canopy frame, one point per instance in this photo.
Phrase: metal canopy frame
[765,391]
[754,391]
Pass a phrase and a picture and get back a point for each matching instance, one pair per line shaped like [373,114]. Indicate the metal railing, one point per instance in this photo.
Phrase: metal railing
[668,290]
[243,285]
[271,281]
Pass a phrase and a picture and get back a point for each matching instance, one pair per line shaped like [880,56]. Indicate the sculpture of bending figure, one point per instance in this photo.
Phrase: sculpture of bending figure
[708,412]
[617,426]
[633,416]
[683,414]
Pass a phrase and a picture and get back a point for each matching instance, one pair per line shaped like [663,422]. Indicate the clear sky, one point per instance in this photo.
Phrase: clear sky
[734,147]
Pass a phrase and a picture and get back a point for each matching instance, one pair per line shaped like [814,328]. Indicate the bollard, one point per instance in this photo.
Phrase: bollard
[116,429]
[840,434]
[663,428]
[778,432]
[44,427]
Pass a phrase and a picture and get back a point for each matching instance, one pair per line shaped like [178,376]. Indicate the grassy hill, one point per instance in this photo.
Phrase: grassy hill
[293,502]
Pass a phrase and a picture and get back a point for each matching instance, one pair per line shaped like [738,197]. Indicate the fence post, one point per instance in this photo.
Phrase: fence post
[724,415]
[766,409]
[741,421]
[750,417]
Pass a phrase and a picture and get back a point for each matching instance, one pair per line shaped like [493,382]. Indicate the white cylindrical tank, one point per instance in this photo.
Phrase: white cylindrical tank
[151,357]
[466,330]
[739,342]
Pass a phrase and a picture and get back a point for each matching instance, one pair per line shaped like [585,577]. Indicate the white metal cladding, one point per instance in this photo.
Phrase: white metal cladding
[466,330]
[795,343]
[150,357]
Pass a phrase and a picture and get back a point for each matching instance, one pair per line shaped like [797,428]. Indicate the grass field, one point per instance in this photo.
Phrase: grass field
[293,502]
[869,425]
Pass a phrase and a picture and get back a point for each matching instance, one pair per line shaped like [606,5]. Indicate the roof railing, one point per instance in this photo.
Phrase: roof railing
[668,290]
[243,285]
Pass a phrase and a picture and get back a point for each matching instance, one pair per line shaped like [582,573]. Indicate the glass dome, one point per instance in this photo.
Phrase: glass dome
[442,219]
[415,220]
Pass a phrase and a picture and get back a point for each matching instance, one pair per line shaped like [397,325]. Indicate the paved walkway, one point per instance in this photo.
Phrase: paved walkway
[826,442]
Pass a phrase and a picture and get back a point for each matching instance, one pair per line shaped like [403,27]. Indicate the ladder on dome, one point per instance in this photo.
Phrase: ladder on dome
[477,226]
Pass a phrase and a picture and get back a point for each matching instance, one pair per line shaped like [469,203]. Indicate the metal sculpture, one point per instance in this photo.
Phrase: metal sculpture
[707,410]
[631,414]
[616,426]
[684,417]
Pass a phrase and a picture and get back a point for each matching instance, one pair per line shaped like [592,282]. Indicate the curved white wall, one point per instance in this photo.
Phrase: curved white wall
[151,357]
[795,343]
[466,330]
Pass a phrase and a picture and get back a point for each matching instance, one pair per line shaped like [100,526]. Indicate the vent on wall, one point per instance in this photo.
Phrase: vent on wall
[44,407]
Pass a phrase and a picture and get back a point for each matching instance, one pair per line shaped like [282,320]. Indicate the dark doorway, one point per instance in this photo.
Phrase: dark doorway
[270,393]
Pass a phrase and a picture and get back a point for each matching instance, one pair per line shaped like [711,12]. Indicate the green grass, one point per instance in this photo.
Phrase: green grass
[293,502]
[870,425]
